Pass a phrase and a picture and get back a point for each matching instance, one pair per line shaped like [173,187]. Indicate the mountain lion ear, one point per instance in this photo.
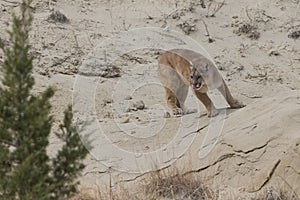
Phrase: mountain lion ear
[206,67]
[191,64]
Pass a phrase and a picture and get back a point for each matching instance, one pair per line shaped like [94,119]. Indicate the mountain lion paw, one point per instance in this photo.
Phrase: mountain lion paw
[213,113]
[178,112]
[237,104]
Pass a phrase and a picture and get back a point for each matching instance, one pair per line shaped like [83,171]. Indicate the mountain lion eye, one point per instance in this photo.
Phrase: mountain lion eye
[191,76]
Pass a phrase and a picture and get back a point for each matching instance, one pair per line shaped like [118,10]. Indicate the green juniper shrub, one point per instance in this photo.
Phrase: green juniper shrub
[26,171]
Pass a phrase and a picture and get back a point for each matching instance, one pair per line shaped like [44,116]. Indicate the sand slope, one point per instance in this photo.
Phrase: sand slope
[246,150]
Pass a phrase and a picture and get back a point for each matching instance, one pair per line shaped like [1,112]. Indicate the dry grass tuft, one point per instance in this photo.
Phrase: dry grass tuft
[176,186]
[248,29]
[118,193]
[187,27]
[57,16]
[169,184]
[271,194]
[294,34]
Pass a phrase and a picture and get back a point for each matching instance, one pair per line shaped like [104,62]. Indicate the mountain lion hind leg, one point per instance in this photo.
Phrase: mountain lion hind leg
[229,98]
[173,102]
[175,89]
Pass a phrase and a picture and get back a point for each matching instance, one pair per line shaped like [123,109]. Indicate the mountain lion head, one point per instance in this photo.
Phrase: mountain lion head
[197,74]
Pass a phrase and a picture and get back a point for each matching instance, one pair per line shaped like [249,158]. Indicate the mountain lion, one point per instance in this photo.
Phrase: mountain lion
[180,68]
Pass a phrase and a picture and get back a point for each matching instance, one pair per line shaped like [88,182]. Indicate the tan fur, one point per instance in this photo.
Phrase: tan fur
[175,73]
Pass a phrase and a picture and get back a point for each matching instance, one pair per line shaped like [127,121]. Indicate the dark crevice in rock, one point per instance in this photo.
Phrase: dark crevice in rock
[220,159]
[269,176]
[140,175]
[250,150]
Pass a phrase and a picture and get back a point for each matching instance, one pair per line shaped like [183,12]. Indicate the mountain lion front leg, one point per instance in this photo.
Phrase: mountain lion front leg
[204,98]
[234,103]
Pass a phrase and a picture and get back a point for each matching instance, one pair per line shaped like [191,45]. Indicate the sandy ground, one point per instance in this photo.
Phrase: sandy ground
[107,67]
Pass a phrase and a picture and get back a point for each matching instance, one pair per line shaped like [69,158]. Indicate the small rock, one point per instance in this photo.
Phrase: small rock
[132,106]
[127,110]
[140,105]
[221,68]
[210,40]
[167,114]
[128,97]
[240,68]
[107,101]
[274,52]
[124,119]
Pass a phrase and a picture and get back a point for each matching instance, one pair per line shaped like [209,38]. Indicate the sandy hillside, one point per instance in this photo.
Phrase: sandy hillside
[98,58]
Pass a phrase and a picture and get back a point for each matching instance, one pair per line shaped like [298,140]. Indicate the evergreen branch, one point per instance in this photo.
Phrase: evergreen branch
[26,172]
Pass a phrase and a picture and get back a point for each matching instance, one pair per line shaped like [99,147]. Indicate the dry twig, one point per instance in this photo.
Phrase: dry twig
[210,40]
